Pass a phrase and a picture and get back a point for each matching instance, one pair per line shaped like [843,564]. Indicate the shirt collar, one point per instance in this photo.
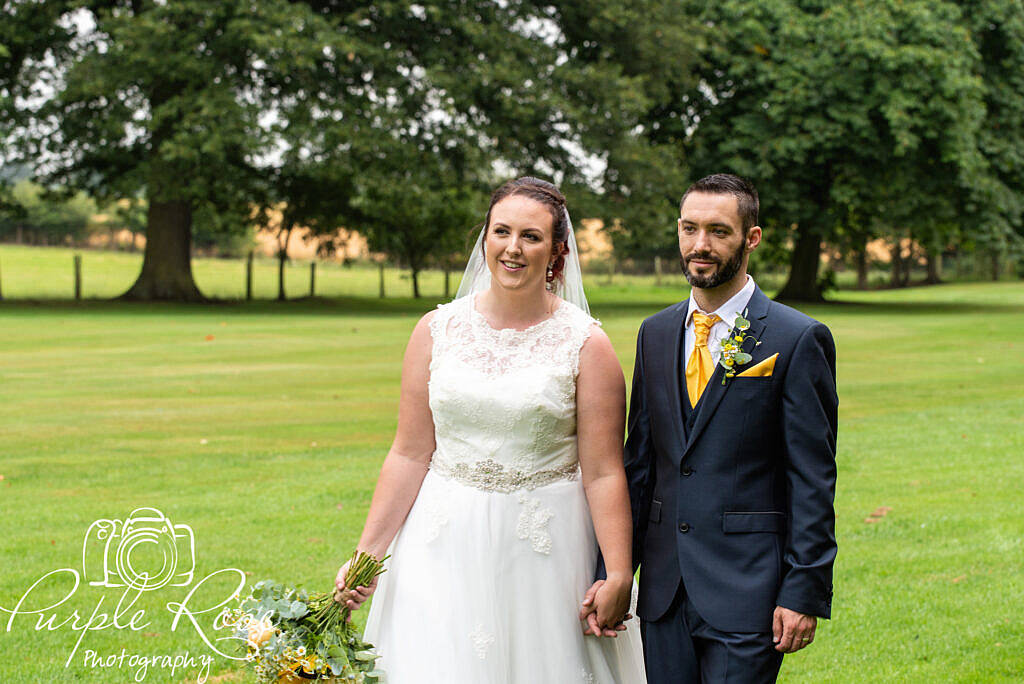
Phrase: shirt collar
[728,311]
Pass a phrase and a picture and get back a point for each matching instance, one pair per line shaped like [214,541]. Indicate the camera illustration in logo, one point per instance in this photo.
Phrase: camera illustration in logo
[145,552]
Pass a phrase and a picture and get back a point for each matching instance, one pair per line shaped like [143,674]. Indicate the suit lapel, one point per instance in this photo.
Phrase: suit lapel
[757,312]
[673,367]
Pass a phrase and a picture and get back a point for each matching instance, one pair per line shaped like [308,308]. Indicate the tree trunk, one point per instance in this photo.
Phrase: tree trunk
[896,256]
[908,262]
[802,285]
[167,261]
[862,269]
[282,257]
[995,265]
[934,261]
[415,282]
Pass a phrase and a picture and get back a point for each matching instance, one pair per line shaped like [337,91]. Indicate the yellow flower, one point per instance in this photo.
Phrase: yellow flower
[259,632]
[309,665]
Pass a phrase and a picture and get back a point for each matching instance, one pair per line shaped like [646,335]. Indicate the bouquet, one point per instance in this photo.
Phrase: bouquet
[292,636]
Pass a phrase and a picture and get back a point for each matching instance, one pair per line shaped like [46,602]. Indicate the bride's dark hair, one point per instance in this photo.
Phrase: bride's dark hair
[551,197]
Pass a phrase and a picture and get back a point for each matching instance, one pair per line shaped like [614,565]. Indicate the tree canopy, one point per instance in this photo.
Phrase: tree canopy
[861,115]
[854,119]
[225,105]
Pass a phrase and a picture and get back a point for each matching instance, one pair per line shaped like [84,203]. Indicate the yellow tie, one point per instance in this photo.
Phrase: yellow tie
[701,366]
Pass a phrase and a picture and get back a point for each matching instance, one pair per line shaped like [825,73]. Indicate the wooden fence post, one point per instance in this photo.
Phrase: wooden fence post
[78,276]
[312,279]
[248,277]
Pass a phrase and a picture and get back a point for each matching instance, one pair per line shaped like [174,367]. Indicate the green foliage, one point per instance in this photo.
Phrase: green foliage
[655,47]
[422,212]
[853,119]
[994,212]
[47,216]
[287,629]
[224,233]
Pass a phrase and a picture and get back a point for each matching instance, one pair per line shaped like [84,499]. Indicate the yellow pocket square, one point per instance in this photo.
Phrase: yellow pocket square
[761,370]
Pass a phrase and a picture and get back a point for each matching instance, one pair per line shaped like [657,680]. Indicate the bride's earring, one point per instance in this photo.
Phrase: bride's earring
[550,279]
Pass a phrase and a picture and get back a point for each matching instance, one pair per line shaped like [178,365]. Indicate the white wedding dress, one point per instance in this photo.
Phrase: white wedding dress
[487,574]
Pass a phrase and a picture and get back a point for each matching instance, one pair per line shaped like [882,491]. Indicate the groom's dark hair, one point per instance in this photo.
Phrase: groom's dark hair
[728,184]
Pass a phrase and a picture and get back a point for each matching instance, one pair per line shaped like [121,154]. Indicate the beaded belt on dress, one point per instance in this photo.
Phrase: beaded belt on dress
[492,476]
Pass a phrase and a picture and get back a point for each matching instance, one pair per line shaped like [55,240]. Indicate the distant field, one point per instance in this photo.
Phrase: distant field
[48,273]
[262,426]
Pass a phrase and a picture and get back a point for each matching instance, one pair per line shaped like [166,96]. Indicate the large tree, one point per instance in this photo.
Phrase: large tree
[186,101]
[836,109]
[994,206]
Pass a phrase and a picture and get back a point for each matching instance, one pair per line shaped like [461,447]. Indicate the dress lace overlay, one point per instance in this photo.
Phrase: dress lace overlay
[533,524]
[504,401]
[482,640]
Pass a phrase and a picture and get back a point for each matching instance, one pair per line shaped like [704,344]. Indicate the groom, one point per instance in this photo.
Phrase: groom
[730,458]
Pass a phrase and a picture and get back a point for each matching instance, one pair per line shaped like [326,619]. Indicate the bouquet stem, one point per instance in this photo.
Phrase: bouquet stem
[362,568]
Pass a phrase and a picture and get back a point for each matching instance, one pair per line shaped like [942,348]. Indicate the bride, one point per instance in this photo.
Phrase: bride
[505,477]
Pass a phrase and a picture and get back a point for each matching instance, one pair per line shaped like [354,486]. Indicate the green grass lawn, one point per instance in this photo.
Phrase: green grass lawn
[262,427]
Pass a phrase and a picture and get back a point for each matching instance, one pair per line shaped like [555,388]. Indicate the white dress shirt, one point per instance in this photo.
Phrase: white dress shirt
[728,312]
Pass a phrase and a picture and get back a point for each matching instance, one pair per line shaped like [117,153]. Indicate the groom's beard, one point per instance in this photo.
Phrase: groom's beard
[723,272]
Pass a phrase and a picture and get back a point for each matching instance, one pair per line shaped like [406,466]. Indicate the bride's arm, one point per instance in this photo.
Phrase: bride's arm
[601,415]
[407,461]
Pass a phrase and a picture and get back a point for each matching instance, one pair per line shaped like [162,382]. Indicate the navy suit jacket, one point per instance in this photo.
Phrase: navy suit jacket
[739,507]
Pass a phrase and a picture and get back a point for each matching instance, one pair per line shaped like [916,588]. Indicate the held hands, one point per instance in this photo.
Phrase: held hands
[352,598]
[791,630]
[605,605]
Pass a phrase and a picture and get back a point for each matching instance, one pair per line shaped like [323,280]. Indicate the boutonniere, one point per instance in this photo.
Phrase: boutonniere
[733,355]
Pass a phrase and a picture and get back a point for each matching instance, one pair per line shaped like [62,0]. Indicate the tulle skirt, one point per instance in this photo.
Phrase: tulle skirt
[485,588]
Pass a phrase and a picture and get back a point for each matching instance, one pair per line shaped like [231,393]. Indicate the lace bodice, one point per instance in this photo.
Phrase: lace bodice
[504,401]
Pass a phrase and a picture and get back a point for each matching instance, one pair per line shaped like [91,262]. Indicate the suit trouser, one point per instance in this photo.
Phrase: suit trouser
[681,648]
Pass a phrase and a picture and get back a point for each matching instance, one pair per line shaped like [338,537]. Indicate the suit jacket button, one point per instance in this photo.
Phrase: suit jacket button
[687,471]
[684,527]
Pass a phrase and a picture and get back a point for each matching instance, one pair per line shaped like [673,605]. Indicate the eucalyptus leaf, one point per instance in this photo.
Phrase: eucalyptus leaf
[742,357]
[283,608]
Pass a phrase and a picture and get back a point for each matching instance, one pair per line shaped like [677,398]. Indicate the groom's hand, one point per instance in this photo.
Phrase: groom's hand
[791,630]
[588,614]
